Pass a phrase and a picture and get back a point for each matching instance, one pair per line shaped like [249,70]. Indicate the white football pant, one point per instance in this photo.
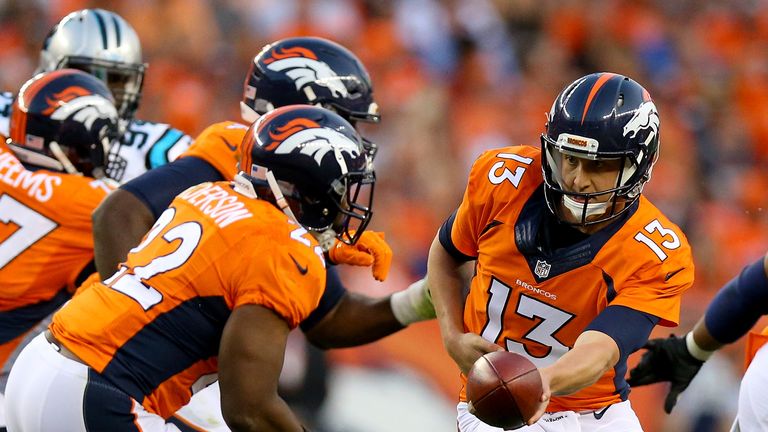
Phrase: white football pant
[618,417]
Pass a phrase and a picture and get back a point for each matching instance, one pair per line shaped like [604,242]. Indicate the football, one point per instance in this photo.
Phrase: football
[504,388]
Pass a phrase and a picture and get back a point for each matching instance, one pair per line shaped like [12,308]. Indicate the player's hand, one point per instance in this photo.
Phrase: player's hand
[545,396]
[369,250]
[666,360]
[466,348]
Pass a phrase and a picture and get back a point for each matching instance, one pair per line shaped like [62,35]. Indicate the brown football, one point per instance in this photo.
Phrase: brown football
[504,388]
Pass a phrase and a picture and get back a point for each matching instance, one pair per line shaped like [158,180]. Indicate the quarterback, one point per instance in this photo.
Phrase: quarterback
[574,265]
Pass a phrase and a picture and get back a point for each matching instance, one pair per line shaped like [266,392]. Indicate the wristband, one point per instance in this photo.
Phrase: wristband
[695,350]
[412,304]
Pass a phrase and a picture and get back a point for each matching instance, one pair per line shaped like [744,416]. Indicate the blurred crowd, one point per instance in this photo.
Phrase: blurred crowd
[454,77]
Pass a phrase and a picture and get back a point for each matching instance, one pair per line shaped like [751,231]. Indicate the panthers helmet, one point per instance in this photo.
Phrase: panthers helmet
[311,164]
[312,71]
[64,121]
[103,44]
[602,116]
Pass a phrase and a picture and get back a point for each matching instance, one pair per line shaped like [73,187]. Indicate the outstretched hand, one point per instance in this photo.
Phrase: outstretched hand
[666,360]
[370,250]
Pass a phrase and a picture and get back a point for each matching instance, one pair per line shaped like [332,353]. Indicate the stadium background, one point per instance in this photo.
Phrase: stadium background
[453,78]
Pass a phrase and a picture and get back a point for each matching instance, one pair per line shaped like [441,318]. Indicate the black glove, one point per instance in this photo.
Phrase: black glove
[666,360]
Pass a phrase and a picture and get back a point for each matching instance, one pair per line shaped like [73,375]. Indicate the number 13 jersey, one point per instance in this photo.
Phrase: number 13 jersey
[536,300]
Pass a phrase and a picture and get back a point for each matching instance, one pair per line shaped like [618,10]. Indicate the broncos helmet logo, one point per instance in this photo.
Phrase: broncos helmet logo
[304,68]
[313,140]
[63,97]
[646,117]
[86,110]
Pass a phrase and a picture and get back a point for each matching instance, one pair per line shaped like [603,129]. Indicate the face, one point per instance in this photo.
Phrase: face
[589,176]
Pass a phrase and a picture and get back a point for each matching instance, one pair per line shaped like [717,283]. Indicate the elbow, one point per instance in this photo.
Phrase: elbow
[244,418]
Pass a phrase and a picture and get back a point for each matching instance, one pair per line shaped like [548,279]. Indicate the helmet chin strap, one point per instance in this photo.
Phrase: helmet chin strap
[280,200]
[577,209]
[58,153]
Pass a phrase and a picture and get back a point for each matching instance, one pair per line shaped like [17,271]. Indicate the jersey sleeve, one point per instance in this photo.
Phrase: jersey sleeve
[289,280]
[496,179]
[219,145]
[656,287]
[332,295]
[81,201]
[467,218]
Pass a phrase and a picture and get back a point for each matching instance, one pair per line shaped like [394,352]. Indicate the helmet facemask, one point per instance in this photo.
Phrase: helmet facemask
[342,212]
[125,81]
[589,208]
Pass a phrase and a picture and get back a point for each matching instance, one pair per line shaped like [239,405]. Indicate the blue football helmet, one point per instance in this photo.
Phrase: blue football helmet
[311,164]
[602,116]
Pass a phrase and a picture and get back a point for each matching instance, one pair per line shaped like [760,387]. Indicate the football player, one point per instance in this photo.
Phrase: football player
[732,313]
[104,45]
[212,290]
[574,265]
[306,70]
[52,176]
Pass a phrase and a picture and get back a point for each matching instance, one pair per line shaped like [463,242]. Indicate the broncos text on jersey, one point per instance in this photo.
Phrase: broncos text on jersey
[153,329]
[536,301]
[145,145]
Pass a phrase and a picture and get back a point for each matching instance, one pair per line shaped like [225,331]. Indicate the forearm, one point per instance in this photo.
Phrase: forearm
[356,320]
[593,354]
[446,285]
[735,309]
[703,338]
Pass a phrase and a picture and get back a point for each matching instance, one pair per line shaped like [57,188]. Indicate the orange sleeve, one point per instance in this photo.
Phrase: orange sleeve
[275,280]
[464,233]
[657,288]
[219,145]
[81,202]
[497,178]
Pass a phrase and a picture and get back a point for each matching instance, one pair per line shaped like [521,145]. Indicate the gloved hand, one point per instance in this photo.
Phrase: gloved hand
[666,360]
[370,249]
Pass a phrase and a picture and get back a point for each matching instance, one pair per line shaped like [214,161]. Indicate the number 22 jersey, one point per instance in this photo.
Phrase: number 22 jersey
[153,329]
[535,300]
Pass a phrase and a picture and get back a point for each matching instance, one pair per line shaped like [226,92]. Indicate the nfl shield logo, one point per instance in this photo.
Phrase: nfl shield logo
[542,269]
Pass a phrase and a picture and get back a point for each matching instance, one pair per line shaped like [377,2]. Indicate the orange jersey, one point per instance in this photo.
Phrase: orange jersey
[45,231]
[219,145]
[153,329]
[535,301]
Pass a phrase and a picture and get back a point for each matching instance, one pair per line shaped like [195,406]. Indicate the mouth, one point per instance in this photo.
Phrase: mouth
[578,199]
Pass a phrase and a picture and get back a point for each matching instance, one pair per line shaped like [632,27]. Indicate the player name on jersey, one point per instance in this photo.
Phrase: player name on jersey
[216,202]
[38,185]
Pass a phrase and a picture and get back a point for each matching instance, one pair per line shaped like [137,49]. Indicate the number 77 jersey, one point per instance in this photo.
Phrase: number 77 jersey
[535,296]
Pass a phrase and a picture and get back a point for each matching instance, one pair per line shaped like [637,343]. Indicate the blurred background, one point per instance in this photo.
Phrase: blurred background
[455,77]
